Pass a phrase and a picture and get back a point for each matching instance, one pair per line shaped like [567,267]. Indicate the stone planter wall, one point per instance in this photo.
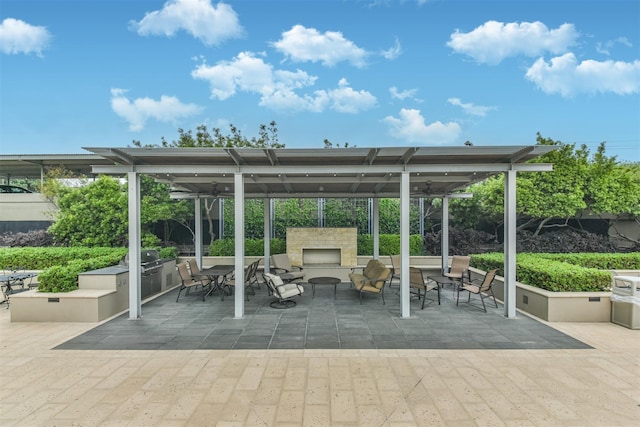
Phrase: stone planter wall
[556,306]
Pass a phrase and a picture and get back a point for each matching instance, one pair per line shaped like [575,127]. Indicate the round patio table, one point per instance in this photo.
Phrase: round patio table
[323,280]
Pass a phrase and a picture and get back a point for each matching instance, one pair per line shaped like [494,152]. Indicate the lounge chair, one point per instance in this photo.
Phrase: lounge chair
[372,279]
[282,267]
[284,292]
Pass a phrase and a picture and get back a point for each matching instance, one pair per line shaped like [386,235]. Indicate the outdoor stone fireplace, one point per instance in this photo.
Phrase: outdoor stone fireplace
[323,246]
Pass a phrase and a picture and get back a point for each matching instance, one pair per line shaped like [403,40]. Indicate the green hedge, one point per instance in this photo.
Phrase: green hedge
[389,244]
[45,257]
[560,272]
[602,261]
[252,247]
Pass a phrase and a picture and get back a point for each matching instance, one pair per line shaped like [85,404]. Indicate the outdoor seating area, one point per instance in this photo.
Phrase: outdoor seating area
[331,320]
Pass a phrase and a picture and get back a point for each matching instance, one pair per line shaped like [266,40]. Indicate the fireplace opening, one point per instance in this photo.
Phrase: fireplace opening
[321,256]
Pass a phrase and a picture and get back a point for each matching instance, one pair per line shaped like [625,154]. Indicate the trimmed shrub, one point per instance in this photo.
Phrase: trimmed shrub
[252,247]
[555,273]
[64,278]
[389,244]
[41,258]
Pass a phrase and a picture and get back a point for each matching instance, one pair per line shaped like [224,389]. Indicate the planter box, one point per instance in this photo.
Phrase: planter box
[556,306]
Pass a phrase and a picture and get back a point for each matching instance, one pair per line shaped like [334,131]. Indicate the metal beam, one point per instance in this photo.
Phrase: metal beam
[309,169]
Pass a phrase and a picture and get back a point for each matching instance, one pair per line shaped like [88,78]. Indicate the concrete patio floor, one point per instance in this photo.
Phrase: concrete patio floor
[560,374]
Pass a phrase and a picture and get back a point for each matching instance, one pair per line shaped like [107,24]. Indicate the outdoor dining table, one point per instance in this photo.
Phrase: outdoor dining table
[7,281]
[214,274]
[444,280]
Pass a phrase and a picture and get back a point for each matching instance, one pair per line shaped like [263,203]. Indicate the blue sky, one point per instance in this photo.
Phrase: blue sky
[370,73]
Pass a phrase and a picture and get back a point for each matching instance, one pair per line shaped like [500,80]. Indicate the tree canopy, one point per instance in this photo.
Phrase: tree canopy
[578,183]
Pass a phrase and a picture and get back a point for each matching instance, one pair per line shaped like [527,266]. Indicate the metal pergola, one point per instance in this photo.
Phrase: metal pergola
[379,172]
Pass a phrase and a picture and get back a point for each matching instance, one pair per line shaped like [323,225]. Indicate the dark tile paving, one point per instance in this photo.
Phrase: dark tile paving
[319,323]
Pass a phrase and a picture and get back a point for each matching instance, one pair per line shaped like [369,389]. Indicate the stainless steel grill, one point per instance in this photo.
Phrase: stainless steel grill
[151,269]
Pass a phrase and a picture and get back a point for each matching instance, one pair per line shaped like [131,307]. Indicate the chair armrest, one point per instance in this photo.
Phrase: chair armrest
[297,267]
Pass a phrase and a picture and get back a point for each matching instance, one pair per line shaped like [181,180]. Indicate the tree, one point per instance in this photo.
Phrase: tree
[577,183]
[92,215]
[267,138]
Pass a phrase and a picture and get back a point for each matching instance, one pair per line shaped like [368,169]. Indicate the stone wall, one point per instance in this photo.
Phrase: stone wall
[345,239]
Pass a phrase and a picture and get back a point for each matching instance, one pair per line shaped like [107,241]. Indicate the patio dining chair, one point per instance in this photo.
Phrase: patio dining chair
[189,281]
[231,282]
[417,282]
[284,292]
[459,269]
[479,287]
[196,272]
[395,268]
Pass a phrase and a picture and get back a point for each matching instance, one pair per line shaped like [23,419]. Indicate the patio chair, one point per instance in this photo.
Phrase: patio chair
[281,265]
[459,269]
[478,287]
[283,291]
[248,273]
[188,281]
[253,276]
[416,281]
[395,268]
[196,272]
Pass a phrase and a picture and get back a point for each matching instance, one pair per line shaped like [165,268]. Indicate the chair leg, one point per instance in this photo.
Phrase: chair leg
[494,298]
[179,290]
[482,299]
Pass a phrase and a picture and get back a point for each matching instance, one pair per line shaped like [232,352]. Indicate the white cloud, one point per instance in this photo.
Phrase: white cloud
[245,72]
[279,89]
[474,110]
[302,44]
[410,126]
[17,36]
[393,52]
[494,41]
[405,94]
[606,46]
[209,23]
[167,109]
[565,76]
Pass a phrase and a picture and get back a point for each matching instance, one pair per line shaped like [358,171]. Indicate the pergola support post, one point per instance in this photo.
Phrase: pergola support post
[198,230]
[135,269]
[405,307]
[376,227]
[238,181]
[267,234]
[510,244]
[444,235]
